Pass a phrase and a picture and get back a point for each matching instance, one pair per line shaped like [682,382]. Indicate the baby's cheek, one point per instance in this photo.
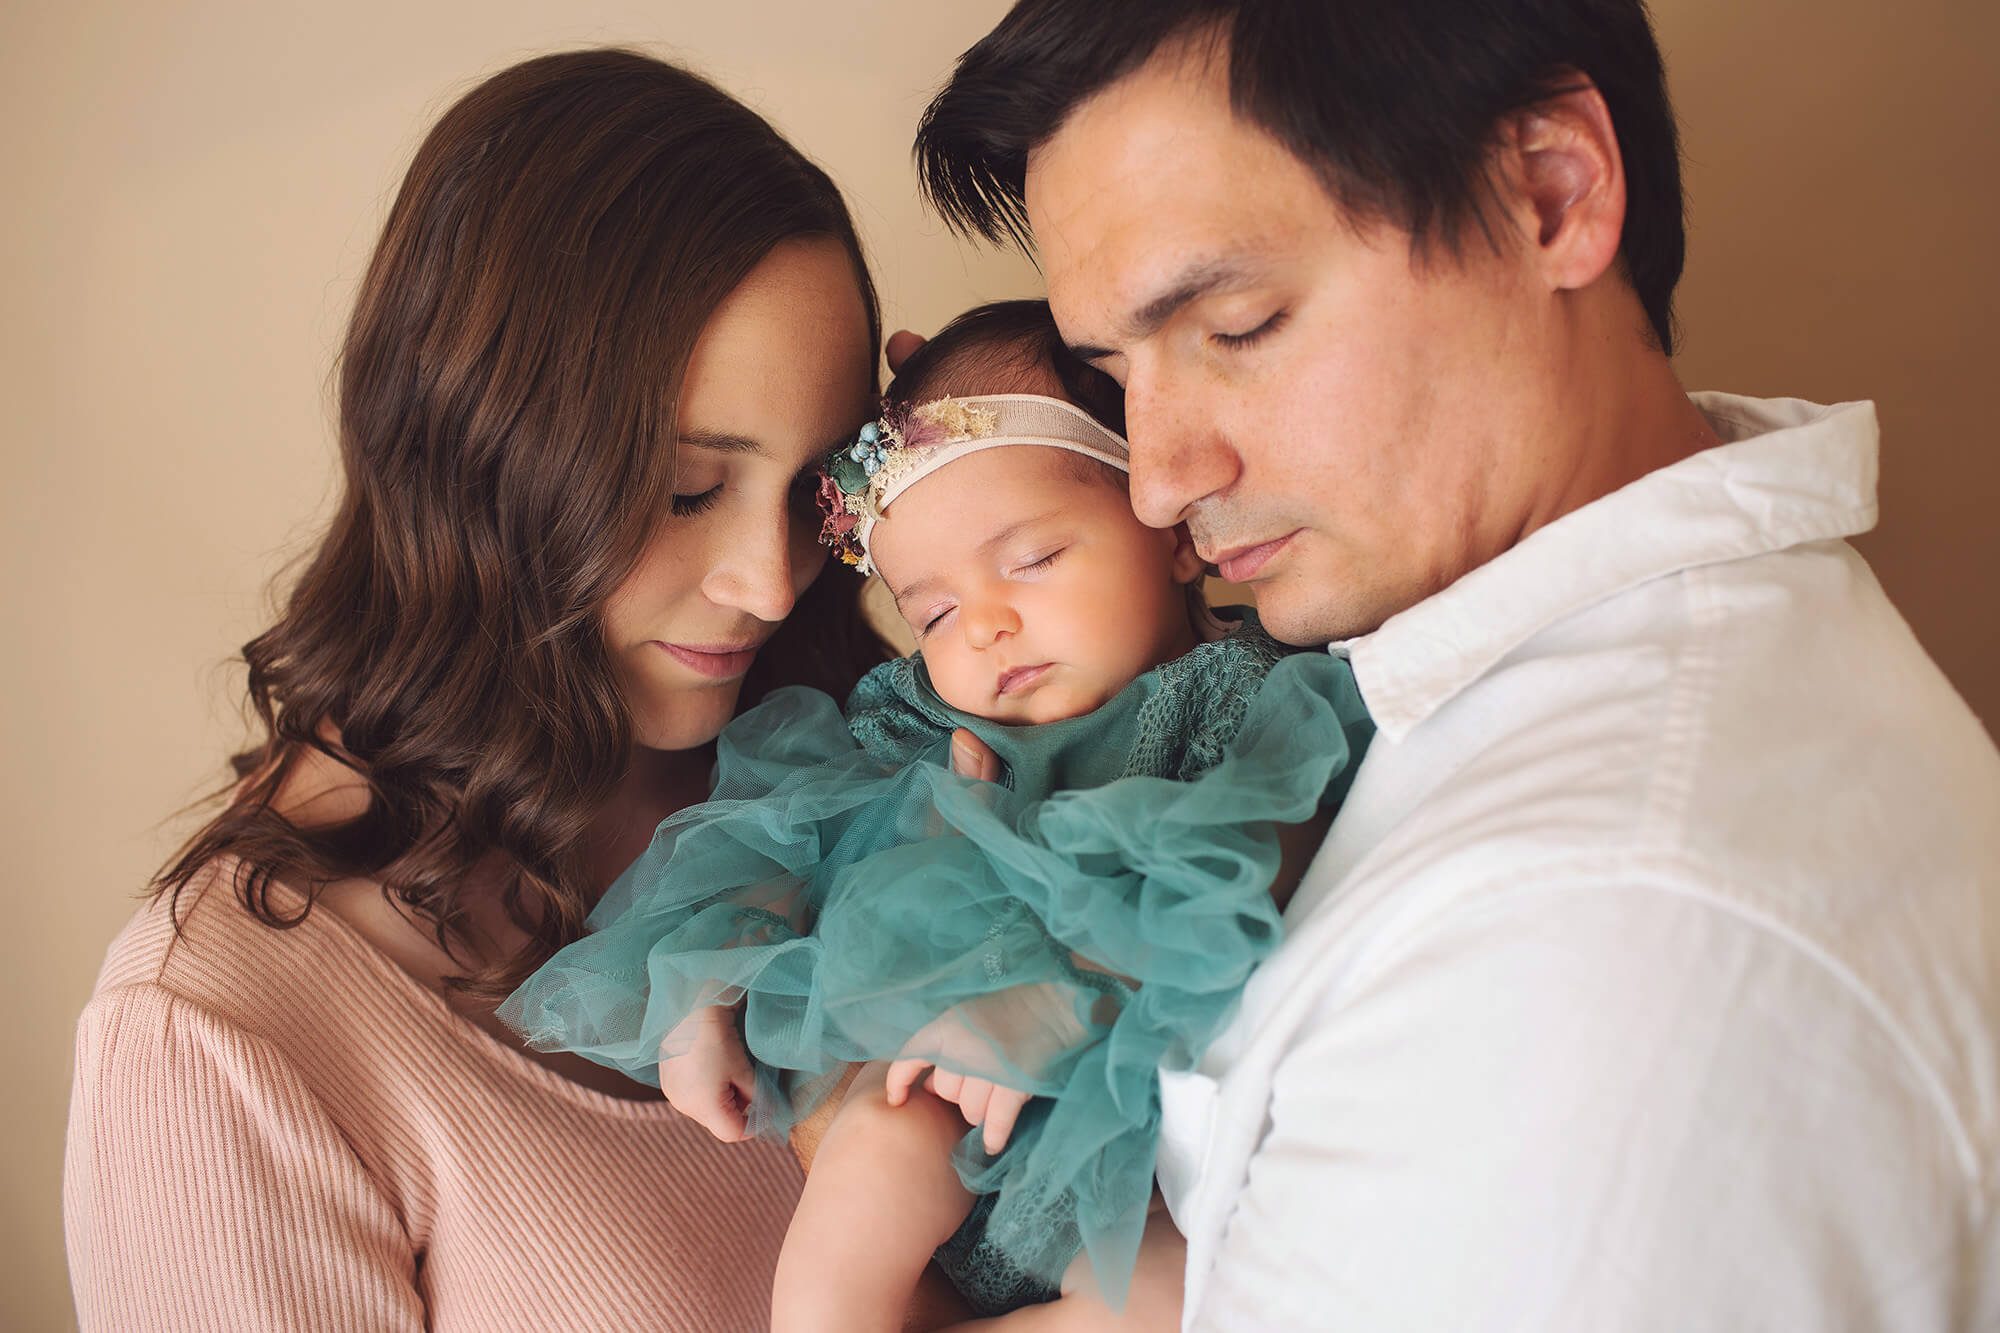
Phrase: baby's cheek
[952,680]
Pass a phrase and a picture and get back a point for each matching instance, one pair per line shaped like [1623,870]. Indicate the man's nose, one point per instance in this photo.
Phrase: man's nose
[1180,456]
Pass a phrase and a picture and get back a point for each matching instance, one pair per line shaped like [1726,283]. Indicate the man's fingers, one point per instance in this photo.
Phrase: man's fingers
[901,343]
[973,758]
[1002,1110]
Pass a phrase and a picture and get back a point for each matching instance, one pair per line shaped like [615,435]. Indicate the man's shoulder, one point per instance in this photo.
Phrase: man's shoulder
[1769,716]
[1759,746]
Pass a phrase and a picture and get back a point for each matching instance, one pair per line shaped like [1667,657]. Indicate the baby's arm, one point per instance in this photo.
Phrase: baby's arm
[708,1078]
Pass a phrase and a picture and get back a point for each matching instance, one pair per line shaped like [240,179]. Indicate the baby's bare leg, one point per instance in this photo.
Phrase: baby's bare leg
[882,1194]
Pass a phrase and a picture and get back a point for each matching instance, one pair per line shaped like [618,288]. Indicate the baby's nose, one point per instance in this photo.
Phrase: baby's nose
[989,622]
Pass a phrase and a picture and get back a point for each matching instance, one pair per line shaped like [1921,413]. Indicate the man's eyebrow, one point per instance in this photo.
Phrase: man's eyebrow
[1203,277]
[722,442]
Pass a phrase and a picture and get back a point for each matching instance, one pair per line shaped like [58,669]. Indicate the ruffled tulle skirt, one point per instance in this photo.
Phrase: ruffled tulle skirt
[1068,945]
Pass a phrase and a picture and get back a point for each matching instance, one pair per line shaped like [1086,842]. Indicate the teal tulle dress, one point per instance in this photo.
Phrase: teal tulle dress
[1067,932]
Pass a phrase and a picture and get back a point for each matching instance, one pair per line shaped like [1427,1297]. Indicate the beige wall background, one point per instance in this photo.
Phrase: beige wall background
[191,193]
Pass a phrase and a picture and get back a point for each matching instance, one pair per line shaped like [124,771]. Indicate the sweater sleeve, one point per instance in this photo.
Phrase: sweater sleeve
[206,1187]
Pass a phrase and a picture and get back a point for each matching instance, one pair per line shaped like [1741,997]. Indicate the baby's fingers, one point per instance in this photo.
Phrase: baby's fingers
[718,1106]
[903,1075]
[1003,1108]
[947,1085]
[972,1100]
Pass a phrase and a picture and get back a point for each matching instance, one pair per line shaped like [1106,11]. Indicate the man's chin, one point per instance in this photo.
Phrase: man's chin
[1292,614]
[1293,619]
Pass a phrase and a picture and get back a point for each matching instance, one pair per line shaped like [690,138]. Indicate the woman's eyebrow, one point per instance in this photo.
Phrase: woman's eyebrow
[722,442]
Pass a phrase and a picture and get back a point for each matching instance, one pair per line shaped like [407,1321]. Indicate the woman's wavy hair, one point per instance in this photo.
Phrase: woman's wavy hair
[507,394]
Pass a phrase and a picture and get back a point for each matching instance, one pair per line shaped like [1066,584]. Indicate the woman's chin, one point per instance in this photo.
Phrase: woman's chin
[688,720]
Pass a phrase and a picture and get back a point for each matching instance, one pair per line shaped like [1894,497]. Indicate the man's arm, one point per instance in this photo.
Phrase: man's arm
[1594,1106]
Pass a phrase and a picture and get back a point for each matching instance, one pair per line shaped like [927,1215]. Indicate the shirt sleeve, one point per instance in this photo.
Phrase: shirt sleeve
[205,1186]
[1591,1106]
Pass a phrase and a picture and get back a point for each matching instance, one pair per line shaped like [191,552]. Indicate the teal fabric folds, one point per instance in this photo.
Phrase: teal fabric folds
[1067,932]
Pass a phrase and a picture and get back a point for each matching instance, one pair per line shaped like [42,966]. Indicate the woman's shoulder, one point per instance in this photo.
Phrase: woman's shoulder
[313,992]
[204,945]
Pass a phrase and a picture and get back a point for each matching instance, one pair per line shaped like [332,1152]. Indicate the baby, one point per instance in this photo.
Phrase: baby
[1042,944]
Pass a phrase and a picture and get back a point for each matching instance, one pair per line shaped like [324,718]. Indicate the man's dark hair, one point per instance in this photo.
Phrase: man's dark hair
[1393,103]
[1007,347]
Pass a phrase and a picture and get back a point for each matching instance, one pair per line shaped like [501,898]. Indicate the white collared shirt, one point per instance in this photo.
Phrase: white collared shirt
[1650,977]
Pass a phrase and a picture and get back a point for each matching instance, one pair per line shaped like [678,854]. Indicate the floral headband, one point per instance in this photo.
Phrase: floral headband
[862,479]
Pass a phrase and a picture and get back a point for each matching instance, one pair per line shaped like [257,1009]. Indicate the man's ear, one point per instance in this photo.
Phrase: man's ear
[1187,564]
[1562,181]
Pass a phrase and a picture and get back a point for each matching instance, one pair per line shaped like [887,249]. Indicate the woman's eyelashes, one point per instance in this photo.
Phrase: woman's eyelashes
[686,506]
[802,496]
[1250,337]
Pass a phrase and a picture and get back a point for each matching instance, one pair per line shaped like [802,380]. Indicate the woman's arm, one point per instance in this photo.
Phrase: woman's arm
[205,1186]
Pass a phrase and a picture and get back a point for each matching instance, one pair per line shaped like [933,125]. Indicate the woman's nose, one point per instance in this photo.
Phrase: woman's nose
[1179,455]
[760,569]
[988,621]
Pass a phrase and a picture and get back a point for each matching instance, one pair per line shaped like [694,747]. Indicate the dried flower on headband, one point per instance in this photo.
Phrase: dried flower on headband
[861,479]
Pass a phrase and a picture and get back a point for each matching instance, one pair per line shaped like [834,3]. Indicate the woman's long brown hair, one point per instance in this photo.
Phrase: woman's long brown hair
[506,415]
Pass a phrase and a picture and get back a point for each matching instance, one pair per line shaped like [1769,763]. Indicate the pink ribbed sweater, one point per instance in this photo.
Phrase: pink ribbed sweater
[280,1129]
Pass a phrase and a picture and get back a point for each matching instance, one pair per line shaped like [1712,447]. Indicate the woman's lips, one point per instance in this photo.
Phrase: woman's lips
[1016,679]
[718,661]
[1241,565]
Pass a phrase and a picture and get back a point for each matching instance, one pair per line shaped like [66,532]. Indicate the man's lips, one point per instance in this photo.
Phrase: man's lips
[719,661]
[1240,564]
[1015,679]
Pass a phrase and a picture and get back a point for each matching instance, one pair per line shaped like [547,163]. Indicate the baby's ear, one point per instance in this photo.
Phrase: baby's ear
[1188,564]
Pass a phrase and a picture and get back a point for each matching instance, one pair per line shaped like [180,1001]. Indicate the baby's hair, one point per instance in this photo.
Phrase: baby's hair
[1012,347]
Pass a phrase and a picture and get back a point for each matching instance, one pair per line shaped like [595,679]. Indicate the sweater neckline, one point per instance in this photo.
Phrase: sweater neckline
[454,1025]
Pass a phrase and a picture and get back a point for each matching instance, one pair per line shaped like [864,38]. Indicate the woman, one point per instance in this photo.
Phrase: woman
[612,322]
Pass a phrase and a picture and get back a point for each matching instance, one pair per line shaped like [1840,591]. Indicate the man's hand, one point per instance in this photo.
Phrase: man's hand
[901,343]
[973,758]
[708,1079]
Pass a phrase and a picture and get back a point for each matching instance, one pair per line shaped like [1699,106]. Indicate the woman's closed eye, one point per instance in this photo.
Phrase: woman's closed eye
[685,506]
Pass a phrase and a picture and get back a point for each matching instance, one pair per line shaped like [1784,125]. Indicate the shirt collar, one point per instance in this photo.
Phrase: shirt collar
[1788,472]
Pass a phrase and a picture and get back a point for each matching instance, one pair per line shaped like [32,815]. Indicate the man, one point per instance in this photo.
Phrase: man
[1649,976]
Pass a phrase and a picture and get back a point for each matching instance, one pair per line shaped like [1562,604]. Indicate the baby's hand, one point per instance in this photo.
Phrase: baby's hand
[981,1101]
[709,1079]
